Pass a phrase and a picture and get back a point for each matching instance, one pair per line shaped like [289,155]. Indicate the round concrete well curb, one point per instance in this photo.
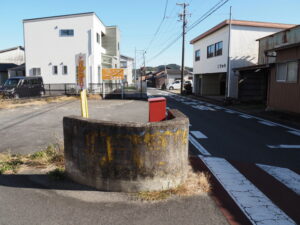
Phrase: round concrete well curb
[128,157]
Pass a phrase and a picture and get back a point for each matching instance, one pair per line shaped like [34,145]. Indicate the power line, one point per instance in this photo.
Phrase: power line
[159,26]
[194,24]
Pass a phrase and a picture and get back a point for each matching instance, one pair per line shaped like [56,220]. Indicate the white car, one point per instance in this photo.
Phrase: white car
[175,85]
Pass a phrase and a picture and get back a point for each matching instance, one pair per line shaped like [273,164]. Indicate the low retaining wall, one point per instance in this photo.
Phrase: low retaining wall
[129,157]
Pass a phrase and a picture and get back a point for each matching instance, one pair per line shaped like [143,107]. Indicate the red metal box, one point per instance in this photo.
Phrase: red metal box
[157,109]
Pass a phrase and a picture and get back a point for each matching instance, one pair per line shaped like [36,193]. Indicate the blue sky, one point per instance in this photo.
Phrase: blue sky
[139,19]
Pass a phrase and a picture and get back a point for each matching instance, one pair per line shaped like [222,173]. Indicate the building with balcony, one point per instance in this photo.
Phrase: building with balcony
[127,64]
[55,44]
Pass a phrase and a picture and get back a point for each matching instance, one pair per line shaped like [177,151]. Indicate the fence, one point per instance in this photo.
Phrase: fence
[106,89]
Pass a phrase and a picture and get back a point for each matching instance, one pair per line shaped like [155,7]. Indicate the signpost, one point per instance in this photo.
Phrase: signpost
[84,104]
[113,74]
[80,64]
[80,75]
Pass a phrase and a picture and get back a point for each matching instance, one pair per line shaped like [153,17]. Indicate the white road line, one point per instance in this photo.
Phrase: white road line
[258,208]
[230,111]
[198,146]
[202,107]
[284,146]
[197,134]
[297,133]
[218,107]
[286,176]
[245,116]
[261,119]
[270,124]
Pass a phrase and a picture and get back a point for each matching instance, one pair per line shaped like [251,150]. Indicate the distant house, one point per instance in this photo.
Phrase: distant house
[9,58]
[162,78]
[14,55]
[127,64]
[278,65]
[234,40]
[56,45]
[4,67]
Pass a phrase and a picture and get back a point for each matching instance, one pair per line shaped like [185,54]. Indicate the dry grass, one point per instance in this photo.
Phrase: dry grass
[52,155]
[8,104]
[94,97]
[195,184]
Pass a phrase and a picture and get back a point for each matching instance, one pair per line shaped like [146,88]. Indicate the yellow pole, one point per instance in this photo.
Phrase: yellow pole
[84,104]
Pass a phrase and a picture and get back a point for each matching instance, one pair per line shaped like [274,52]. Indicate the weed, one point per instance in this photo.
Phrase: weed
[57,174]
[195,184]
[52,155]
[10,163]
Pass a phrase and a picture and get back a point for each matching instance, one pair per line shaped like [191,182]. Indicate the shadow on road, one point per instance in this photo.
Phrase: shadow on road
[41,181]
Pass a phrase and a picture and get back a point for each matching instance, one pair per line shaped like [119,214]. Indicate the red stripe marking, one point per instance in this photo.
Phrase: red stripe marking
[281,195]
[228,207]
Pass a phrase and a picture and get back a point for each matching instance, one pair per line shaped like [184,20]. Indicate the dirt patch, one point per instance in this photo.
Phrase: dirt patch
[197,183]
[8,103]
[51,156]
[94,97]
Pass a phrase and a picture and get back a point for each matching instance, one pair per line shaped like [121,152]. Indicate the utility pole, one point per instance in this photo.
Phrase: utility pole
[141,70]
[184,22]
[228,59]
[135,65]
[144,72]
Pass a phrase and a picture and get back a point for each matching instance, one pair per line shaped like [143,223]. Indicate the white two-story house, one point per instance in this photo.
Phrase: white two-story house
[127,64]
[54,44]
[228,45]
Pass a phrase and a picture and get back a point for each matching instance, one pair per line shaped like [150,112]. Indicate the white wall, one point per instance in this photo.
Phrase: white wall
[211,65]
[45,48]
[243,51]
[16,56]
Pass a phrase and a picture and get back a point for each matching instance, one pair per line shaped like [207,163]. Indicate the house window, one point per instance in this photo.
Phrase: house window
[54,70]
[197,55]
[66,33]
[218,48]
[65,70]
[36,71]
[123,64]
[98,38]
[210,51]
[287,72]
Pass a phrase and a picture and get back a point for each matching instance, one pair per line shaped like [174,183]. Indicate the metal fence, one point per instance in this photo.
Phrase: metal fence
[106,90]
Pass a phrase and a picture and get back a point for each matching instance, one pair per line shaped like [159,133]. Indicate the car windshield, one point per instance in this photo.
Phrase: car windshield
[11,82]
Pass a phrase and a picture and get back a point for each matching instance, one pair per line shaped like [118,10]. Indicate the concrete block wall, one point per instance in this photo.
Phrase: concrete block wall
[127,157]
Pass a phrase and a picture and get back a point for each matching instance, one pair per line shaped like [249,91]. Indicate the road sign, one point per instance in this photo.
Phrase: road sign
[112,74]
[80,71]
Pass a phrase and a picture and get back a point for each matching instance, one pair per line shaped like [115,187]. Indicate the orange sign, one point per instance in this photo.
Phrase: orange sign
[112,74]
[80,62]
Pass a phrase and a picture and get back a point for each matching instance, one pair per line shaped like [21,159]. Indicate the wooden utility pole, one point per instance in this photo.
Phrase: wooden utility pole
[227,95]
[184,22]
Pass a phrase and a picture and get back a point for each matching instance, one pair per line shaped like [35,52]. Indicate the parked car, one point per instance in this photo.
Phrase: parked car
[175,85]
[188,87]
[19,87]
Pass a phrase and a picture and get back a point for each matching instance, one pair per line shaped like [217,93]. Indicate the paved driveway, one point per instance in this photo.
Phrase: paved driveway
[32,128]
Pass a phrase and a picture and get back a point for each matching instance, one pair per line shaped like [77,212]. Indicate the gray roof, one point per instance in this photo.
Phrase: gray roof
[11,49]
[63,16]
[127,57]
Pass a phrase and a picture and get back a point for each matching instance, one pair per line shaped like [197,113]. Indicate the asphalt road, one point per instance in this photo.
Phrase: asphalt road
[29,129]
[236,136]
[34,199]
